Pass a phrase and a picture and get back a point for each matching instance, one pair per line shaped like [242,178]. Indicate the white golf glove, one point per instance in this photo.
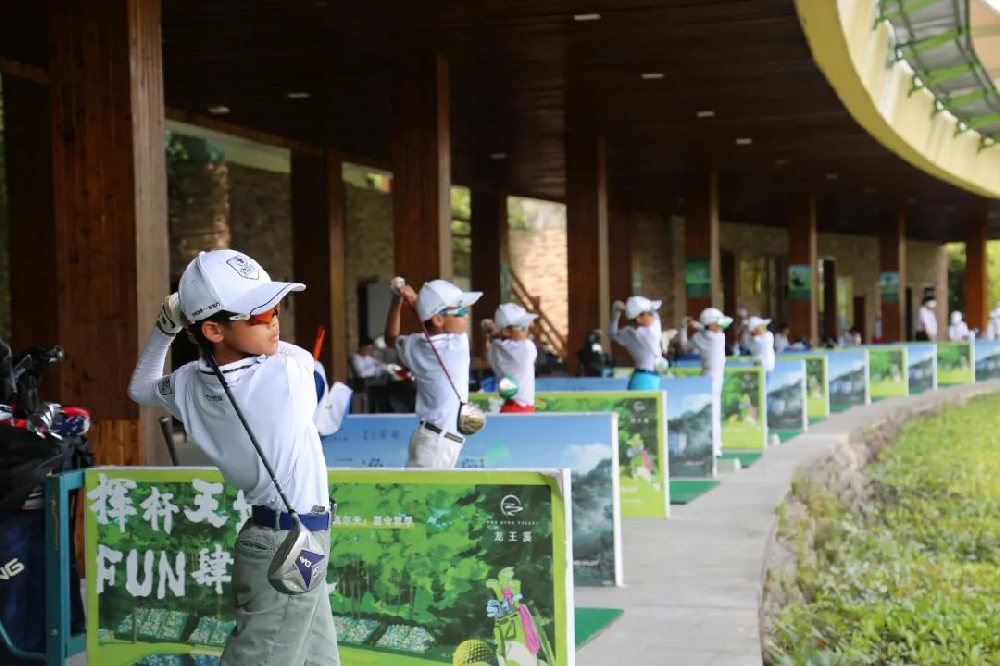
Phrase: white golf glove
[169,319]
[617,307]
[396,285]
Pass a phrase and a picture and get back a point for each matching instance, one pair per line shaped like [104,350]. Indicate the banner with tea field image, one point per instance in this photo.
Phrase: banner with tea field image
[586,444]
[786,398]
[744,411]
[426,567]
[817,384]
[848,373]
[987,355]
[888,370]
[955,363]
[642,435]
[689,426]
[921,360]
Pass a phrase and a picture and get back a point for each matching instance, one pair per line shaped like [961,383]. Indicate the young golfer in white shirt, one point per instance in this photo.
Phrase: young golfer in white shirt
[642,337]
[512,357]
[232,307]
[439,362]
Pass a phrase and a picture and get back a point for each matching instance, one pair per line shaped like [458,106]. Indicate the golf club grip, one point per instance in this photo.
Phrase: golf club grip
[167,428]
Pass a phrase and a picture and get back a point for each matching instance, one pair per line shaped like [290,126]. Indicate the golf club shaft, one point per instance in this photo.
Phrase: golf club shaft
[253,440]
[167,428]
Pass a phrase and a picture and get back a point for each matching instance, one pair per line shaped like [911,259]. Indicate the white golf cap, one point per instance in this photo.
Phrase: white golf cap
[438,295]
[512,314]
[636,305]
[956,317]
[230,281]
[756,322]
[714,316]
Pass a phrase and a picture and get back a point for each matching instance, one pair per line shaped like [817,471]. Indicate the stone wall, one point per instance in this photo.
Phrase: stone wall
[927,265]
[198,211]
[369,247]
[538,256]
[653,245]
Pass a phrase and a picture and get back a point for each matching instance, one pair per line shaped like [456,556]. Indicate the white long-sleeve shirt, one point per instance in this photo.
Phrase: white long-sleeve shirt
[642,342]
[927,322]
[516,359]
[277,395]
[711,347]
[958,332]
[763,346]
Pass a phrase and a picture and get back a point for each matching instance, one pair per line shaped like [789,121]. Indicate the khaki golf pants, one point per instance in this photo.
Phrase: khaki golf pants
[275,629]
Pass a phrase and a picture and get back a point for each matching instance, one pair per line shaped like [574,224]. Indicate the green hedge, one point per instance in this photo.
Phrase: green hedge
[916,579]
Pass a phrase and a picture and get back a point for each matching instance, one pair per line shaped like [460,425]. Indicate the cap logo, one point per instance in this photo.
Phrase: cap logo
[244,267]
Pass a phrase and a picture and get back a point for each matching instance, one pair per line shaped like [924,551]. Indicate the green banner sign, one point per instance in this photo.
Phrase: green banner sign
[818,390]
[888,372]
[955,363]
[426,567]
[698,277]
[642,434]
[888,285]
[800,282]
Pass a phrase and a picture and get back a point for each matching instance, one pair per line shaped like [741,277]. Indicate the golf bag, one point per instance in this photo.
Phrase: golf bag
[36,440]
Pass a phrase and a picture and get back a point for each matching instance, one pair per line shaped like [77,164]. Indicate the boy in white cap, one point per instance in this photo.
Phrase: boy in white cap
[710,343]
[927,326]
[642,338]
[439,360]
[512,356]
[958,331]
[231,308]
[761,342]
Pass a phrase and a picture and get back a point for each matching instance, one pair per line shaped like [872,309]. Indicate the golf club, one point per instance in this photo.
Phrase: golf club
[167,428]
[299,565]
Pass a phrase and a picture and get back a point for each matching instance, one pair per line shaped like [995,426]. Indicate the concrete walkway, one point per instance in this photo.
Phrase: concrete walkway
[693,582]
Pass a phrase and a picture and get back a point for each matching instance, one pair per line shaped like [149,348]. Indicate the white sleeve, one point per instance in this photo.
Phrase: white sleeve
[403,343]
[297,354]
[149,386]
[491,355]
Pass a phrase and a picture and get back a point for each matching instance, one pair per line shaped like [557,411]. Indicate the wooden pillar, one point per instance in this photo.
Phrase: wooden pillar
[489,244]
[802,311]
[701,243]
[421,168]
[319,259]
[892,277]
[620,264]
[976,306]
[31,218]
[109,194]
[586,238]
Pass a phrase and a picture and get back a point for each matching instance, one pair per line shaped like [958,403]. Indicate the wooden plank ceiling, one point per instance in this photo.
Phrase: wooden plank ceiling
[512,62]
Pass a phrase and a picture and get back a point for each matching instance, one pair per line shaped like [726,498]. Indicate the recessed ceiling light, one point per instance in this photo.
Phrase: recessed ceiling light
[498,156]
[298,95]
[218,110]
[832,176]
[782,161]
[744,141]
[581,18]
[705,114]
[652,76]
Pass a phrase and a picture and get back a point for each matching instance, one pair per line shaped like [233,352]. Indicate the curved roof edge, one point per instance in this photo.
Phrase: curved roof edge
[853,50]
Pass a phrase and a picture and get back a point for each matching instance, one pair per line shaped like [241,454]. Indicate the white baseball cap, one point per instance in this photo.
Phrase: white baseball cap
[636,305]
[438,295]
[712,316]
[512,314]
[956,317]
[230,281]
[756,322]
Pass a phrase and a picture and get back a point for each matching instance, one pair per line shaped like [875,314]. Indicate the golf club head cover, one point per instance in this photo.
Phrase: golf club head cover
[299,565]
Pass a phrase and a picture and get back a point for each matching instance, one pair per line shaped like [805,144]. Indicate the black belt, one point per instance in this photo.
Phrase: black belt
[647,372]
[437,431]
[262,516]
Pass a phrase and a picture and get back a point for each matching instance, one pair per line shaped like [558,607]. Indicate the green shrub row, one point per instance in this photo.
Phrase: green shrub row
[915,578]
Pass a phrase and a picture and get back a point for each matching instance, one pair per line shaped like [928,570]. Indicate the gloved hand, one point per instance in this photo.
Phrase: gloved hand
[488,327]
[396,284]
[617,307]
[169,319]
